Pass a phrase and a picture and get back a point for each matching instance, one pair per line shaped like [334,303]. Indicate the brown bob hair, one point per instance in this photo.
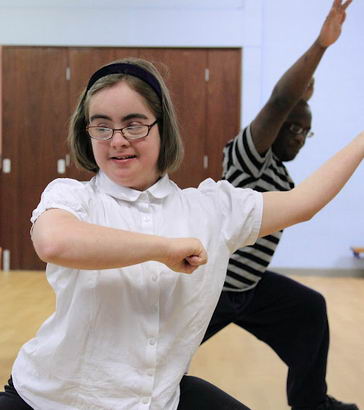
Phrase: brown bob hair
[171,147]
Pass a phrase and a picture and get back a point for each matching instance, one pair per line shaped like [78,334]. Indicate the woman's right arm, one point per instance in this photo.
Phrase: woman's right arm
[283,209]
[62,239]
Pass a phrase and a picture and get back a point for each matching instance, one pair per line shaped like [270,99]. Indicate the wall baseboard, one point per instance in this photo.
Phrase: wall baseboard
[333,273]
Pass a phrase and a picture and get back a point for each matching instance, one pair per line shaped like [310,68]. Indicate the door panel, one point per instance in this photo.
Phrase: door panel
[223,104]
[34,122]
[184,73]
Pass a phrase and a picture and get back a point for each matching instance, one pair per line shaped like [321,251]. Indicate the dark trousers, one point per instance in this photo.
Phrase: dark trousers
[196,394]
[10,399]
[292,319]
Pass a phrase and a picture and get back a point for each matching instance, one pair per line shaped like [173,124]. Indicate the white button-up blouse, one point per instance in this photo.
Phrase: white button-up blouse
[123,338]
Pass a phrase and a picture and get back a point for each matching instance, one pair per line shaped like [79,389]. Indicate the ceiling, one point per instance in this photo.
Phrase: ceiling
[106,4]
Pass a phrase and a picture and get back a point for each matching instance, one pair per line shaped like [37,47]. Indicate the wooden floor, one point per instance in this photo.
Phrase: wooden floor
[233,359]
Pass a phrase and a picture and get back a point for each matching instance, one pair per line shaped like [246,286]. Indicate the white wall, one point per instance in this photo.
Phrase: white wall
[273,33]
[338,114]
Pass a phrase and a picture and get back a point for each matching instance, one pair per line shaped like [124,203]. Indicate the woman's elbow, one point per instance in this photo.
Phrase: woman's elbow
[46,245]
[47,251]
[306,214]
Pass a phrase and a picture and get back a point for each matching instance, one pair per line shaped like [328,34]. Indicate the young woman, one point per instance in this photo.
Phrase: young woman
[136,263]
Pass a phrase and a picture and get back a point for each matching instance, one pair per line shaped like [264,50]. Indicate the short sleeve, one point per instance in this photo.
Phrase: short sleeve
[63,193]
[240,210]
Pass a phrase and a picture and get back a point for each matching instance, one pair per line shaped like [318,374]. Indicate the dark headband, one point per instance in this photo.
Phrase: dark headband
[126,68]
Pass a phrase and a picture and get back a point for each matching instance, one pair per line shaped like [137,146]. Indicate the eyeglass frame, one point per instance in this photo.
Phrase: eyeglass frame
[121,131]
[302,131]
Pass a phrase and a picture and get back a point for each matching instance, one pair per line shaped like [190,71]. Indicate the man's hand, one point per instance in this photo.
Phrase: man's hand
[331,28]
[184,255]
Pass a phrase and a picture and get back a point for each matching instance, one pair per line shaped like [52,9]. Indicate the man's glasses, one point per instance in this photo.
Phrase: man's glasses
[298,130]
[131,133]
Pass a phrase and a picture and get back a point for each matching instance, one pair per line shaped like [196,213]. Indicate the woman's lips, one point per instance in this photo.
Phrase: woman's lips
[123,157]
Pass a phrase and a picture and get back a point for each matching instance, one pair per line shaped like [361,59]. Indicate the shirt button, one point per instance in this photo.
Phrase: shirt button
[154,278]
[152,341]
[145,400]
[150,373]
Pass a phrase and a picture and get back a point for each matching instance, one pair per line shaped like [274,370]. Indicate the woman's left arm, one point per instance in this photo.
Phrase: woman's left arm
[283,209]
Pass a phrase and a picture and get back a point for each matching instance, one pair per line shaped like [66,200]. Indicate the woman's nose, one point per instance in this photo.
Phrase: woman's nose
[118,139]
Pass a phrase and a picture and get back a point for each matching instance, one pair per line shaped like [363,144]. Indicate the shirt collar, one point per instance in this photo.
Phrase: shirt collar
[159,190]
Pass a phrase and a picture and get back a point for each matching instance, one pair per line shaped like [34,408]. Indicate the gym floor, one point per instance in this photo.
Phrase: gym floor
[233,359]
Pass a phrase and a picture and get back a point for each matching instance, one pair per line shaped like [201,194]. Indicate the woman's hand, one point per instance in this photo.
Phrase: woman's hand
[184,254]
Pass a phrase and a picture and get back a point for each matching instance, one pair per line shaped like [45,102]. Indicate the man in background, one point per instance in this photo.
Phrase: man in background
[289,317]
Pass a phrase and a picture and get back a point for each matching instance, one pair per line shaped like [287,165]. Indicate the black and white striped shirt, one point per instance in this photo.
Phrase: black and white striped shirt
[244,167]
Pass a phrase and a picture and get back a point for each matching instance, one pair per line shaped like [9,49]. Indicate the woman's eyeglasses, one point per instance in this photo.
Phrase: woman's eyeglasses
[131,132]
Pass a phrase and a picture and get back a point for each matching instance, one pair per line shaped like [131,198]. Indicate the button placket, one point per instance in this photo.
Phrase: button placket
[151,342]
[152,333]
[146,217]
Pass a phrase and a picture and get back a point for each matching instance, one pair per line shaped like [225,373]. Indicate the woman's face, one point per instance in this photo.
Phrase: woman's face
[131,163]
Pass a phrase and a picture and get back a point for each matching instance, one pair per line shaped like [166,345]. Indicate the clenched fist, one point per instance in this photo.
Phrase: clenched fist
[184,254]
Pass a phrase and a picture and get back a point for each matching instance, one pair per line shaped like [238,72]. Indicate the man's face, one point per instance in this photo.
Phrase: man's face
[293,133]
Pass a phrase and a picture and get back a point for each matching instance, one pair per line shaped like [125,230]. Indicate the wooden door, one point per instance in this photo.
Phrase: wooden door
[205,85]
[184,73]
[205,89]
[223,104]
[189,96]
[34,120]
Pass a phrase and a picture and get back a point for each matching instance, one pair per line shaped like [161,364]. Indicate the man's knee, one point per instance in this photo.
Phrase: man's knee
[317,302]
[314,310]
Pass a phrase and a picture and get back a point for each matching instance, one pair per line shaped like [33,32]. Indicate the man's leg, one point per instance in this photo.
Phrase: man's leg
[10,399]
[292,319]
[198,394]
[225,313]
